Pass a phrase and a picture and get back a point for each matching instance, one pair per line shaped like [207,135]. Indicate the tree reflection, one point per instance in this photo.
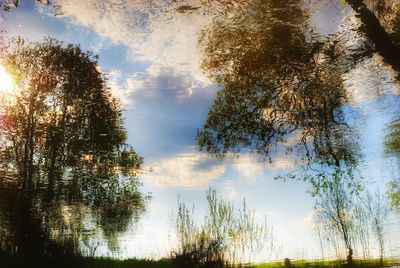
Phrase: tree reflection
[392,146]
[281,87]
[226,238]
[335,210]
[63,151]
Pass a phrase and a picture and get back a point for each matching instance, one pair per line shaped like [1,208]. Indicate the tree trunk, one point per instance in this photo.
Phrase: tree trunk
[384,44]
[350,256]
[56,152]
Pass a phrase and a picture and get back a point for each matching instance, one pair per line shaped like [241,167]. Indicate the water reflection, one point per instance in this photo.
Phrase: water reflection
[288,92]
[281,86]
[392,145]
[225,238]
[63,152]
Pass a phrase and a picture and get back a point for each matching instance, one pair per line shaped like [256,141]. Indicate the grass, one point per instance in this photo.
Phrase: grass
[92,262]
[358,263]
[79,262]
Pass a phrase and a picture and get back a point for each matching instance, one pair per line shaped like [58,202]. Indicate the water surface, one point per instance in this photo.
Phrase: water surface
[151,54]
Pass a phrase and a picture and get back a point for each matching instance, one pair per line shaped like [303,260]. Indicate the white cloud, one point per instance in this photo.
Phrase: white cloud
[190,170]
[164,81]
[306,222]
[369,79]
[156,81]
[250,168]
[154,31]
[332,11]
[198,170]
[123,89]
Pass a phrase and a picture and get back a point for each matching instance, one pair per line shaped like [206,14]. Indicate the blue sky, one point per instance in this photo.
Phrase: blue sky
[152,60]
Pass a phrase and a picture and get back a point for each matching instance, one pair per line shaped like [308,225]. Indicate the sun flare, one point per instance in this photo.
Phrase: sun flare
[6,82]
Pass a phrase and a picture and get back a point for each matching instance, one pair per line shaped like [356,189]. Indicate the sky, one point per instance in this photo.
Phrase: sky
[150,54]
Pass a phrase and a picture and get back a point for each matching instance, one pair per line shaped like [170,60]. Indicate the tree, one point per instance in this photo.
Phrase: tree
[336,209]
[379,209]
[225,238]
[394,194]
[65,134]
[279,83]
[62,112]
[383,42]
[392,148]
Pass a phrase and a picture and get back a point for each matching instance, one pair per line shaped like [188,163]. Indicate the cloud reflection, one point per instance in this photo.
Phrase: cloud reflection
[154,31]
[188,170]
[198,170]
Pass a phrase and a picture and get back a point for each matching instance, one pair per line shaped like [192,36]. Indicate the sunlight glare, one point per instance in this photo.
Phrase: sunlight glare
[6,82]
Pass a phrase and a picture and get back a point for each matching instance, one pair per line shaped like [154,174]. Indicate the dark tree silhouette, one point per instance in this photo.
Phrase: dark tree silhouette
[371,26]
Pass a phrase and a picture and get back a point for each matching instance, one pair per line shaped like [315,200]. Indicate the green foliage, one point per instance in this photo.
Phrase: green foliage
[392,138]
[372,263]
[347,215]
[81,262]
[66,144]
[226,237]
[336,207]
[394,194]
[378,209]
[62,111]
[392,148]
[281,88]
